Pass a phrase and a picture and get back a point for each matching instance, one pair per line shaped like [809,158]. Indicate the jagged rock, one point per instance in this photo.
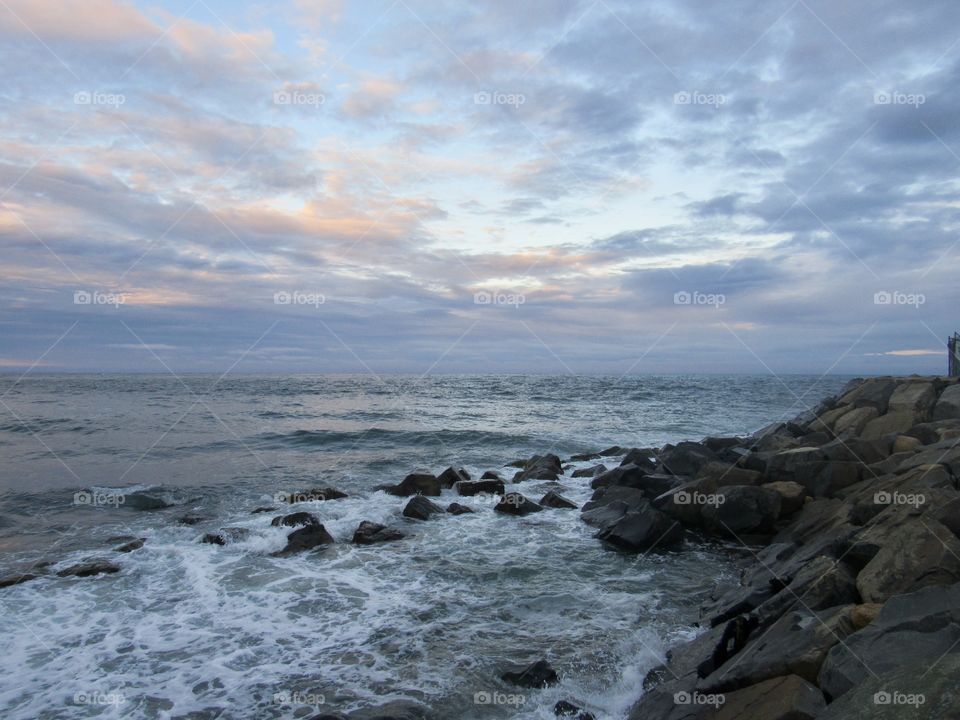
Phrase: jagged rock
[419,508]
[583,457]
[416,484]
[685,458]
[452,475]
[306,538]
[592,471]
[312,495]
[612,451]
[556,500]
[491,475]
[789,697]
[792,495]
[369,533]
[642,529]
[458,509]
[610,504]
[641,457]
[540,467]
[889,424]
[536,675]
[825,421]
[190,519]
[910,631]
[226,535]
[916,398]
[89,569]
[853,422]
[295,519]
[871,393]
[16,579]
[743,509]
[945,452]
[567,709]
[626,475]
[131,546]
[516,504]
[718,444]
[721,474]
[476,487]
[948,406]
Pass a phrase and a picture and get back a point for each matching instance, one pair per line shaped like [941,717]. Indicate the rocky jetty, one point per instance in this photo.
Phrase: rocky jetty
[849,603]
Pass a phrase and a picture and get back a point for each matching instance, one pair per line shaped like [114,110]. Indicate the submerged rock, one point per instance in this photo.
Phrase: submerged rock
[16,579]
[566,709]
[89,569]
[556,500]
[369,533]
[295,519]
[131,546]
[416,484]
[306,538]
[226,535]
[419,508]
[536,675]
[458,509]
[451,476]
[312,495]
[517,504]
[540,467]
[592,471]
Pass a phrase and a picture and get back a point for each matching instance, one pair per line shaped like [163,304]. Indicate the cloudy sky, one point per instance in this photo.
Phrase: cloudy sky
[421,185]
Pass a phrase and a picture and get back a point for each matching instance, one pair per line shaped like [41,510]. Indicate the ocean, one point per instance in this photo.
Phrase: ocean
[193,630]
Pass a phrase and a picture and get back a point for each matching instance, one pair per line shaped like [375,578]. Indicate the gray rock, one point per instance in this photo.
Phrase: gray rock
[226,535]
[295,520]
[516,504]
[89,569]
[871,393]
[416,484]
[306,538]
[743,509]
[642,529]
[789,697]
[16,579]
[452,475]
[610,504]
[948,406]
[419,508]
[893,423]
[536,675]
[853,422]
[476,487]
[591,471]
[131,546]
[556,500]
[917,398]
[314,495]
[721,474]
[458,509]
[370,533]
[792,496]
[540,467]
[685,458]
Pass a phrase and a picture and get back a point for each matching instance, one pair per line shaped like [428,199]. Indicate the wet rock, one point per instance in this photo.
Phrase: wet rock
[583,457]
[685,458]
[312,495]
[642,529]
[295,519]
[419,508]
[626,475]
[641,457]
[556,500]
[566,709]
[610,504]
[190,519]
[718,444]
[477,487]
[131,546]
[263,509]
[516,504]
[742,509]
[491,475]
[540,467]
[226,535]
[789,697]
[458,509]
[452,475]
[369,533]
[591,471]
[16,579]
[612,451]
[416,484]
[306,538]
[536,675]
[89,569]
[394,710]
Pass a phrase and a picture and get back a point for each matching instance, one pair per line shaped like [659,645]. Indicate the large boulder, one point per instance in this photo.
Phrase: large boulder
[478,487]
[720,474]
[610,504]
[685,458]
[871,393]
[312,495]
[540,467]
[458,509]
[853,422]
[554,499]
[419,508]
[948,406]
[416,484]
[739,509]
[516,504]
[893,423]
[306,538]
[370,533]
[910,631]
[916,398]
[642,529]
[295,519]
[590,472]
[792,495]
[452,475]
[788,697]
[642,457]
[627,475]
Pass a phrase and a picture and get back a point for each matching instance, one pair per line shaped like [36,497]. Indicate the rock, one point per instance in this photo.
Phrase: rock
[903,694]
[720,474]
[914,553]
[627,475]
[226,535]
[556,500]
[458,509]
[306,538]
[131,546]
[16,579]
[905,443]
[516,504]
[910,631]
[853,422]
[535,675]
[263,509]
[491,475]
[718,444]
[863,615]
[190,519]
[788,697]
[592,471]
[641,457]
[642,529]
[89,569]
[945,452]
[891,423]
[294,520]
[612,451]
[312,495]
[610,504]
[416,484]
[451,476]
[872,393]
[948,406]
[368,533]
[740,509]
[393,710]
[796,644]
[792,495]
[540,467]
[477,487]
[567,709]
[825,422]
[914,398]
[685,458]
[419,508]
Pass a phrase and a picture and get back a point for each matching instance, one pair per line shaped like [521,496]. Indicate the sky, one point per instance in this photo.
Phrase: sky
[548,186]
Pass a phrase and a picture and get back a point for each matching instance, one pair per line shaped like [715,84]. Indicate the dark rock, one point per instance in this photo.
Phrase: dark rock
[394,710]
[686,458]
[491,475]
[368,533]
[306,538]
[190,519]
[89,569]
[612,451]
[535,675]
[540,467]
[226,535]
[516,504]
[16,579]
[583,457]
[567,709]
[792,496]
[642,529]
[416,484]
[556,500]
[872,393]
[948,406]
[626,475]
[419,508]
[458,509]
[782,698]
[720,474]
[716,444]
[610,504]
[131,546]
[451,476]
[743,509]
[312,495]
[641,457]
[263,509]
[295,519]
[592,471]
[477,487]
